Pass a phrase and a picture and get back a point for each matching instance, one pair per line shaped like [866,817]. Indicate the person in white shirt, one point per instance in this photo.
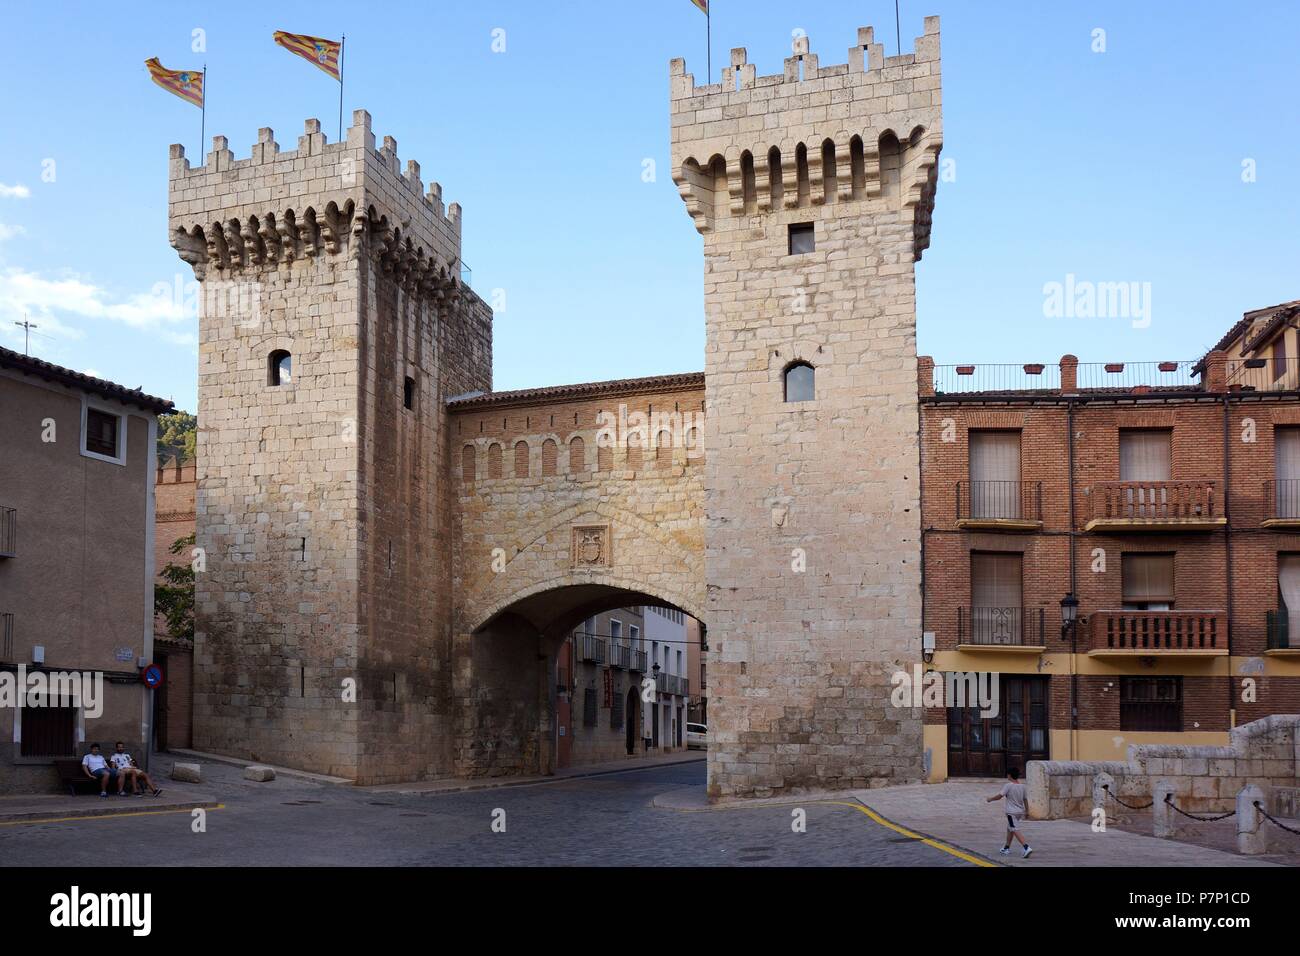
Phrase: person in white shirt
[1013,792]
[126,767]
[97,768]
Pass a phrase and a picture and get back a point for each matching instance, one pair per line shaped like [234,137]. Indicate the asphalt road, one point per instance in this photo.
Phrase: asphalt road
[596,821]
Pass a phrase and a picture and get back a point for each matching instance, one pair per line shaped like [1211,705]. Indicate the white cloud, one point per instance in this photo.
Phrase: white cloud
[93,373]
[44,300]
[9,232]
[18,191]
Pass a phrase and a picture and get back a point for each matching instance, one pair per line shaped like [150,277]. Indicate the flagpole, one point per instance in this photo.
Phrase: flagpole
[708,33]
[203,115]
[342,44]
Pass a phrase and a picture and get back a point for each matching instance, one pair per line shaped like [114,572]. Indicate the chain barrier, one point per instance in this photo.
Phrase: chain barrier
[1278,823]
[1169,799]
[1145,806]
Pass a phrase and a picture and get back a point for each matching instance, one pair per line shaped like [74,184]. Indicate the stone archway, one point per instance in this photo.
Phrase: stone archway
[509,678]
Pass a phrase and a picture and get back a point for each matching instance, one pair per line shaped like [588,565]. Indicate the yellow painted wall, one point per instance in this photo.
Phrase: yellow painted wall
[1059,664]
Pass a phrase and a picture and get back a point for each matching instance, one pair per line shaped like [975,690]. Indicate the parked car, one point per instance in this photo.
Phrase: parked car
[697,737]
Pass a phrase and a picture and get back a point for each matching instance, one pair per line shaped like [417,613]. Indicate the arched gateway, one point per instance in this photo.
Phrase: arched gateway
[564,538]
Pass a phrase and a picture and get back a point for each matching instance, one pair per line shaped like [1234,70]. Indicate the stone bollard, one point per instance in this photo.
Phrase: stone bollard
[260,774]
[1164,821]
[1252,838]
[1099,785]
[187,772]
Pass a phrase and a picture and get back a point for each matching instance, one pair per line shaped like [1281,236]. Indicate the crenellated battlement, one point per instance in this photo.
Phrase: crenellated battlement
[277,207]
[803,66]
[870,129]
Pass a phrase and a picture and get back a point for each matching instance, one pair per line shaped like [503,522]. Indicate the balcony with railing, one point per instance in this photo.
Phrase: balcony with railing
[1000,505]
[1126,506]
[8,532]
[620,656]
[638,661]
[1009,629]
[591,649]
[1282,504]
[1280,642]
[1158,633]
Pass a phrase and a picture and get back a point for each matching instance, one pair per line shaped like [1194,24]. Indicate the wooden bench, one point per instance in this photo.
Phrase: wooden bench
[74,778]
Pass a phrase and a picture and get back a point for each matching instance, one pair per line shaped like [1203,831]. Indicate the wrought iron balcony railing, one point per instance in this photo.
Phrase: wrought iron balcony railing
[1143,633]
[638,663]
[1001,626]
[1282,502]
[994,503]
[620,656]
[593,649]
[1279,631]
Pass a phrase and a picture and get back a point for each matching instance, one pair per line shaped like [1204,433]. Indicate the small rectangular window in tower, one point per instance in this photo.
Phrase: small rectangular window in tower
[408,392]
[802,240]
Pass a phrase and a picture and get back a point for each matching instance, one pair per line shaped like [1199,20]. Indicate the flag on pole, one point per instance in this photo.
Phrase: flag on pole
[702,4]
[187,84]
[322,53]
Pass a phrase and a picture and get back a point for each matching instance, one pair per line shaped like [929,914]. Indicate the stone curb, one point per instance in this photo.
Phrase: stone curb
[497,783]
[242,764]
[108,808]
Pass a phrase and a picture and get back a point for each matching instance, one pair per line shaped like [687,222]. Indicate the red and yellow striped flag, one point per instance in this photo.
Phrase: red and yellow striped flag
[702,4]
[320,52]
[187,84]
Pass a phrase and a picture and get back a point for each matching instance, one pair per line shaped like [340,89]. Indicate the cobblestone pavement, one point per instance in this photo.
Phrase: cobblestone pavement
[603,820]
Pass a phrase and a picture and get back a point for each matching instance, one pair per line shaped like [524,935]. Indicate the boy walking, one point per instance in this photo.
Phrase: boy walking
[1013,792]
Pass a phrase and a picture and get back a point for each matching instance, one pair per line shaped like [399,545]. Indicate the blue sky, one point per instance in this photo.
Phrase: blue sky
[1121,166]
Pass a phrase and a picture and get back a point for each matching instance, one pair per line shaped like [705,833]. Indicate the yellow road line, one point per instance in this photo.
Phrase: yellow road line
[108,816]
[960,854]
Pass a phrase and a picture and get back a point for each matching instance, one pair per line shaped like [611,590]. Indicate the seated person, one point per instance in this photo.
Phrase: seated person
[126,766]
[97,768]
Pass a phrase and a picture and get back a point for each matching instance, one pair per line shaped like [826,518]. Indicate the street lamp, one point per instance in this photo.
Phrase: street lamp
[1069,613]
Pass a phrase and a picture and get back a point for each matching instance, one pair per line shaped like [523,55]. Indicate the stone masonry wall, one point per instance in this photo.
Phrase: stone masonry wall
[801,659]
[534,475]
[1202,779]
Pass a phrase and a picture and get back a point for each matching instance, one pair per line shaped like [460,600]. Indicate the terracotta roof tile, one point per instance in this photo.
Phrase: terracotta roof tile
[87,383]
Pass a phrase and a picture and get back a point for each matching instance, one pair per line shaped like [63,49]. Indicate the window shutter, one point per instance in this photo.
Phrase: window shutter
[995,474]
[1148,578]
[1144,455]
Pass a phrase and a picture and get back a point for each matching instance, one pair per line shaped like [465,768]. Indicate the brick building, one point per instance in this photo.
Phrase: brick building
[1163,497]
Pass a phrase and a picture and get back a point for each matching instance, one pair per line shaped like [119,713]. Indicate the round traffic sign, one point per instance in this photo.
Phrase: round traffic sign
[152,676]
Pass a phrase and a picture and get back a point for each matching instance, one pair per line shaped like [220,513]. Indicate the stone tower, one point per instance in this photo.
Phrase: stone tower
[334,325]
[813,190]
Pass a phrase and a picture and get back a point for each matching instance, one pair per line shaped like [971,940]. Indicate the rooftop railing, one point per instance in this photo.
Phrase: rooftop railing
[1043,376]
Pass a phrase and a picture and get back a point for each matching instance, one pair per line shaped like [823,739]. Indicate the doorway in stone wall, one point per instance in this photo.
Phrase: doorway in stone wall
[632,719]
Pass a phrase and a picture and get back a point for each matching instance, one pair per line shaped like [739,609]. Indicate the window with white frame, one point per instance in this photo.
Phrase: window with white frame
[103,433]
